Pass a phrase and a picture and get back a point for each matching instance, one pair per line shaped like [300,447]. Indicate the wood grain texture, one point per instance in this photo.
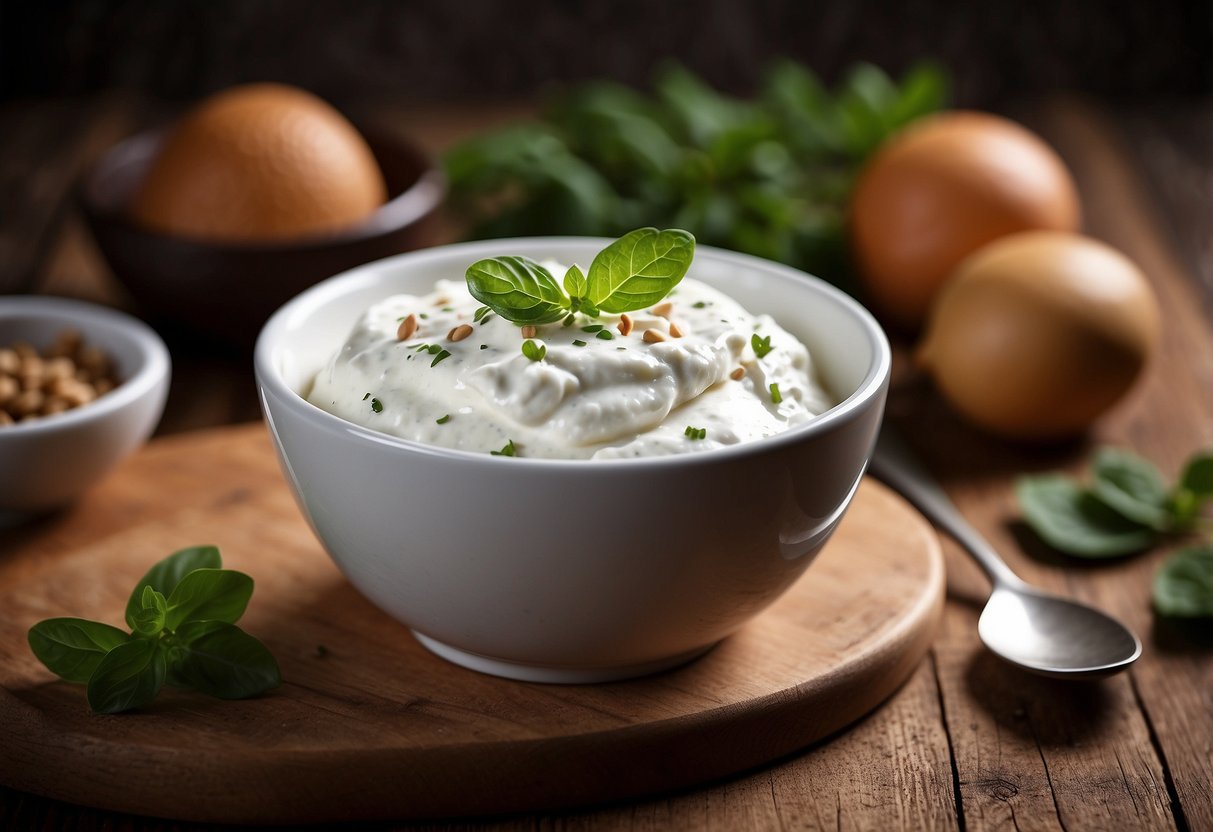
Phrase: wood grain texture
[368,724]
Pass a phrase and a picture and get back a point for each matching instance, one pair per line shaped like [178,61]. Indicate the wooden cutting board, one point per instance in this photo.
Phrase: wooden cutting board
[368,724]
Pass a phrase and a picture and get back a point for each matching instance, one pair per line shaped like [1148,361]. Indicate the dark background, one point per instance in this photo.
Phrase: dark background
[475,49]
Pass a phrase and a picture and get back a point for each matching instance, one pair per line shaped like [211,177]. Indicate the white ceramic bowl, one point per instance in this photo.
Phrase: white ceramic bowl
[572,570]
[48,462]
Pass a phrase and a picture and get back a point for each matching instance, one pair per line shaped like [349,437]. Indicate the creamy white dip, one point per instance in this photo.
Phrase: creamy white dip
[589,397]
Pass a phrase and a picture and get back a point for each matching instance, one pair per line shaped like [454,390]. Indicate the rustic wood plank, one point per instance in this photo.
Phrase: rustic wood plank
[1175,679]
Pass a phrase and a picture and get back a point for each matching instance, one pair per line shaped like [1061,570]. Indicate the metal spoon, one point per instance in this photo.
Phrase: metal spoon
[1027,627]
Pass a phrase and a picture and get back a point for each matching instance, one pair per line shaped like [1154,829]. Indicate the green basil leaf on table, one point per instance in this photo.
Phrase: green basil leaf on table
[71,648]
[1132,487]
[1183,586]
[1070,519]
[149,621]
[165,575]
[209,595]
[223,661]
[1194,488]
[128,677]
[639,269]
[1197,475]
[518,289]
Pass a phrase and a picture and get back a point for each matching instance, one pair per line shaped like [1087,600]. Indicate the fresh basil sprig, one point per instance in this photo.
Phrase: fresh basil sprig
[635,271]
[769,174]
[1183,587]
[182,615]
[1127,507]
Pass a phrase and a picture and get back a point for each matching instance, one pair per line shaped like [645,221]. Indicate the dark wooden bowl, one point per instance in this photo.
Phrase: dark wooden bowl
[226,290]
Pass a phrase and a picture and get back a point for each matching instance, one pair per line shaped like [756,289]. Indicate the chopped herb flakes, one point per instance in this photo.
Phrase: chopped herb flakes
[695,433]
[439,357]
[579,343]
[534,351]
[376,405]
[605,335]
[508,450]
[444,419]
[699,304]
[484,346]
[761,346]
[592,328]
[423,316]
[367,396]
[776,396]
[480,313]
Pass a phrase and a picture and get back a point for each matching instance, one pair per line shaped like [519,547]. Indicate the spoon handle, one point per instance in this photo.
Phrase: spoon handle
[895,464]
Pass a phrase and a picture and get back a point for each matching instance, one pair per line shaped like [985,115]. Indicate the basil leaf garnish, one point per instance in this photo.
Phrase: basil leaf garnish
[639,269]
[518,289]
[575,282]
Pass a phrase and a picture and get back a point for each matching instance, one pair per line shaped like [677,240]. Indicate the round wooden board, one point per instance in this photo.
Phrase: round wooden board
[368,724]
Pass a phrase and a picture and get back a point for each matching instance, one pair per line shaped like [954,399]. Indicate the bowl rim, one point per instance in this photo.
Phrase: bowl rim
[268,378]
[409,207]
[153,367]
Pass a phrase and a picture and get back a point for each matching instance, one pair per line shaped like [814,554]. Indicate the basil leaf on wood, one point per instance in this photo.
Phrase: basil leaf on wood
[209,595]
[1183,586]
[1072,520]
[149,621]
[165,575]
[128,677]
[1132,487]
[223,661]
[71,648]
[1194,488]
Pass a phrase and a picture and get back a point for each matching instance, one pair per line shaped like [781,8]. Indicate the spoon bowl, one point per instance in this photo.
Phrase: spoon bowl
[1054,636]
[1025,626]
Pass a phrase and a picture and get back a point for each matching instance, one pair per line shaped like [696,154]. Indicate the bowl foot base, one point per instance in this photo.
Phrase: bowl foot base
[549,674]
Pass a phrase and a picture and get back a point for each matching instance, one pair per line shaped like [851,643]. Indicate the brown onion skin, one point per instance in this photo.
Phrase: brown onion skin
[941,189]
[1039,334]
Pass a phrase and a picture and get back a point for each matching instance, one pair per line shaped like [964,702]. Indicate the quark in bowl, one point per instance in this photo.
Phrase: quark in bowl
[572,570]
[692,372]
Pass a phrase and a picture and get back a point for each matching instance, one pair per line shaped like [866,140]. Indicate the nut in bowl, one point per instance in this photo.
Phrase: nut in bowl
[89,385]
[572,570]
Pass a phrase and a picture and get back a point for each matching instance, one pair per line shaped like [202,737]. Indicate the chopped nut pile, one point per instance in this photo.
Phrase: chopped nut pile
[70,374]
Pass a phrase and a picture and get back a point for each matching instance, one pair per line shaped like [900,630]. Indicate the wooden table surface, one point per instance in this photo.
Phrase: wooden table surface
[967,743]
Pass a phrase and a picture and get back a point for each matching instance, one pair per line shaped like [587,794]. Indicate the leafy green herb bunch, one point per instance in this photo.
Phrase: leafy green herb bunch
[182,616]
[769,175]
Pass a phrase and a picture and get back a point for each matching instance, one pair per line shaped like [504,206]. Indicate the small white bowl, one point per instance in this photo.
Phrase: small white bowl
[572,570]
[48,462]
